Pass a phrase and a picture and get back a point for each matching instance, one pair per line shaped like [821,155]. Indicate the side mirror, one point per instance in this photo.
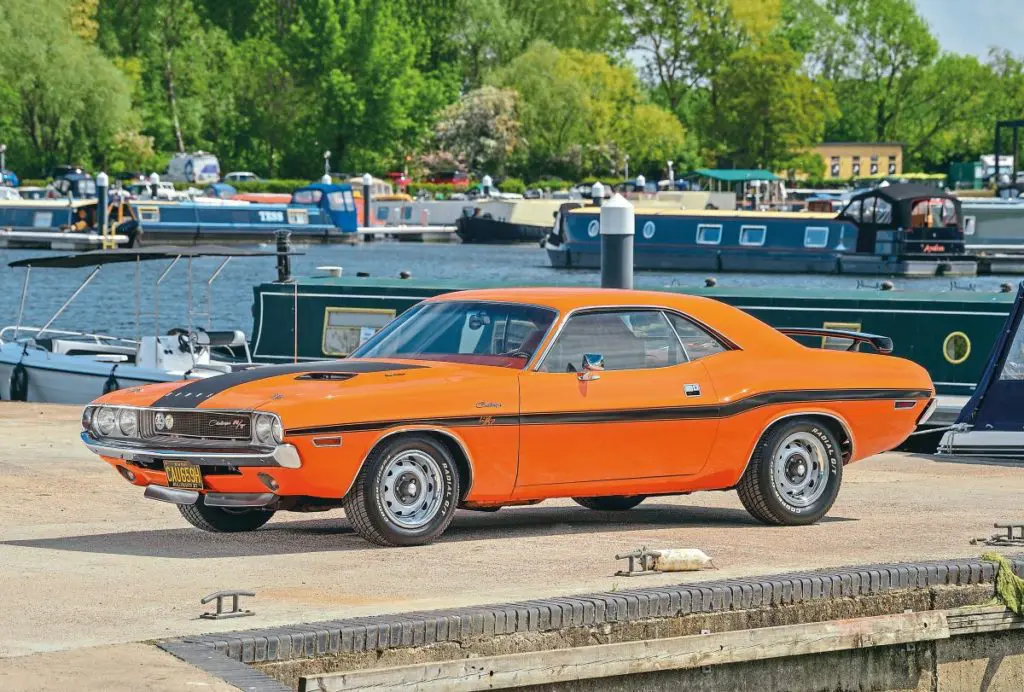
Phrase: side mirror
[593,363]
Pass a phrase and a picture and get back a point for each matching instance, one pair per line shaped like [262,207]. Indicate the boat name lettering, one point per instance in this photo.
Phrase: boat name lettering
[272,216]
[934,248]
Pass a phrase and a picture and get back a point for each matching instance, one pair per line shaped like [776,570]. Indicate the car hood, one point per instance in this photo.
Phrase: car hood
[342,391]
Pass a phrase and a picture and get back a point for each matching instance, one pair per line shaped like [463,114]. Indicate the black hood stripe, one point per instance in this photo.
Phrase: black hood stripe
[732,408]
[198,391]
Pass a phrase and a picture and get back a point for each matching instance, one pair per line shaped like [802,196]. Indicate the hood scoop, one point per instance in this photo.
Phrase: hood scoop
[327,376]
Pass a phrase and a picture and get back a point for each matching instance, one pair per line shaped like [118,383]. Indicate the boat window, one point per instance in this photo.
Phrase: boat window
[753,235]
[336,201]
[307,196]
[852,211]
[475,332]
[406,213]
[883,211]
[697,342]
[816,236]
[149,214]
[933,213]
[626,340]
[350,202]
[1013,366]
[382,213]
[345,329]
[709,234]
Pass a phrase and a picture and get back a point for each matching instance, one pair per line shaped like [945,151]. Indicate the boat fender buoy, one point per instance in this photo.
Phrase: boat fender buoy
[681,560]
[111,385]
[19,383]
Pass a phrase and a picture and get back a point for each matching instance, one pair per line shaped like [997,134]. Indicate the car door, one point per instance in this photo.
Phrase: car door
[652,412]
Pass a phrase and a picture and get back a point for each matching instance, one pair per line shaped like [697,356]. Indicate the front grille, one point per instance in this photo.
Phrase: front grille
[205,425]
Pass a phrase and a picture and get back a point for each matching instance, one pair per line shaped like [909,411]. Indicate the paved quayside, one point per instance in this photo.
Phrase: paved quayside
[87,562]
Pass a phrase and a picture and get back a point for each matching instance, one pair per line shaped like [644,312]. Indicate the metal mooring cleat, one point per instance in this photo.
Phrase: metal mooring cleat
[221,614]
[1014,536]
[645,558]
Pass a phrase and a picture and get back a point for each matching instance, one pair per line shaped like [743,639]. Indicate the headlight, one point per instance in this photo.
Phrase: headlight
[264,428]
[278,430]
[103,421]
[128,422]
[87,417]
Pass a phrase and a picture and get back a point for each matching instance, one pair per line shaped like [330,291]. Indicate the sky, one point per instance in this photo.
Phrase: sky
[973,26]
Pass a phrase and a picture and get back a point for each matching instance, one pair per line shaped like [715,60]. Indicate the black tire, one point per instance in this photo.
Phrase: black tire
[760,494]
[366,510]
[19,383]
[610,503]
[223,520]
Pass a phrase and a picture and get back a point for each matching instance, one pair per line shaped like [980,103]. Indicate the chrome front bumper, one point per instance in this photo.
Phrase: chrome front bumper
[283,455]
[178,496]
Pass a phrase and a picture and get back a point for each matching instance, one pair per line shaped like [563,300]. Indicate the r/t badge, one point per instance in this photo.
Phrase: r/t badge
[692,389]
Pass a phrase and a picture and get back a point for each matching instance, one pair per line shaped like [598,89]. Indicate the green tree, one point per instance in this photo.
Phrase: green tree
[576,110]
[67,100]
[768,113]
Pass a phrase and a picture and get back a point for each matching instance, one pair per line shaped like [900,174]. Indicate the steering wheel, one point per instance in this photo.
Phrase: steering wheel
[518,353]
[186,342]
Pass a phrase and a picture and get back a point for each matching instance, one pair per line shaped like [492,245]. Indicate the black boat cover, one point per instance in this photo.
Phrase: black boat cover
[998,401]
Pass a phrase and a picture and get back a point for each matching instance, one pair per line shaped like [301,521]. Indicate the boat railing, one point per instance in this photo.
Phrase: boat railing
[14,333]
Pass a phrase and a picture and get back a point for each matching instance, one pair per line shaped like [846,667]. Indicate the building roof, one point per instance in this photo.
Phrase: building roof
[734,175]
[901,191]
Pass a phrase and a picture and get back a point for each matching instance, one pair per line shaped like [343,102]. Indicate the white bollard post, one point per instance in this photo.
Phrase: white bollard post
[597,193]
[617,229]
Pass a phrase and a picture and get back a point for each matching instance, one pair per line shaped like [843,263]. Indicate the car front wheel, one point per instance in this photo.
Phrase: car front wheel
[610,503]
[405,494]
[794,474]
[224,520]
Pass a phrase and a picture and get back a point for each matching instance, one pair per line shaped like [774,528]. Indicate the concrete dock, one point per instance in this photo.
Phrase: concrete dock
[87,562]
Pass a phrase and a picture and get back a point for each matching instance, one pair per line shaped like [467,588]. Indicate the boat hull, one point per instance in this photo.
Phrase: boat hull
[59,379]
[479,230]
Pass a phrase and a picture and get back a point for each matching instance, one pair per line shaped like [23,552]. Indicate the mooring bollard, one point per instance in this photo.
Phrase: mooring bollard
[597,193]
[367,188]
[617,243]
[284,261]
[487,183]
[102,195]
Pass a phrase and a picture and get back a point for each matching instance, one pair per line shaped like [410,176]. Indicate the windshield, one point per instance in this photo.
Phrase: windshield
[500,334]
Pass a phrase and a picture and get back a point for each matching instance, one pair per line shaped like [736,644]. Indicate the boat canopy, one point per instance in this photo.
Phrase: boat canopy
[995,404]
[96,258]
[733,175]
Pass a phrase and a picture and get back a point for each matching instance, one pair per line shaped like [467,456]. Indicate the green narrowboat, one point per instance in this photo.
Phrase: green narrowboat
[950,334]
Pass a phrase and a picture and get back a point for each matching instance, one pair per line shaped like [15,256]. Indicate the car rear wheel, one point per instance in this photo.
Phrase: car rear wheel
[794,474]
[610,503]
[405,494]
[222,519]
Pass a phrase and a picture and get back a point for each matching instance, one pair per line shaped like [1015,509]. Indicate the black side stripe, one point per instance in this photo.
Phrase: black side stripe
[198,391]
[732,408]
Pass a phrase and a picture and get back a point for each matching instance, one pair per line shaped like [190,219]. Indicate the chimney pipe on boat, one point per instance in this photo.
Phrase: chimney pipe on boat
[284,249]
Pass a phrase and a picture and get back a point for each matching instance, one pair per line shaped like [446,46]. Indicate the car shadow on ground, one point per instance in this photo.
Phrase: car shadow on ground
[333,533]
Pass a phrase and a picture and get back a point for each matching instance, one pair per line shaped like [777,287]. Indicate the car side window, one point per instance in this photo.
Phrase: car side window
[698,342]
[626,340]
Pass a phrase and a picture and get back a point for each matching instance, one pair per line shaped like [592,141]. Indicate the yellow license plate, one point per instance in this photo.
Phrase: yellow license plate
[181,474]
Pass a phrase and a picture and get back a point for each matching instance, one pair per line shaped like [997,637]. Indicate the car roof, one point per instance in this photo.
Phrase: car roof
[733,323]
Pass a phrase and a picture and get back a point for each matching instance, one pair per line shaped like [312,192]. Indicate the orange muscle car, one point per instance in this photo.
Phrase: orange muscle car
[488,398]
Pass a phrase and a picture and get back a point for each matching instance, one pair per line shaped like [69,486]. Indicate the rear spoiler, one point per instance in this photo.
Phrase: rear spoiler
[882,344]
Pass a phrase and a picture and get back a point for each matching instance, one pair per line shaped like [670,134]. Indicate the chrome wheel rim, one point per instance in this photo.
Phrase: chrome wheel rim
[800,469]
[410,489]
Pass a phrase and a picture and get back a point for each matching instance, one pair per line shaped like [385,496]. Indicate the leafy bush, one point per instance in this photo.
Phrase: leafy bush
[514,185]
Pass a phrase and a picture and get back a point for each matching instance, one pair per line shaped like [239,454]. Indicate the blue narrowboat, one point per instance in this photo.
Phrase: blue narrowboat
[320,211]
[900,230]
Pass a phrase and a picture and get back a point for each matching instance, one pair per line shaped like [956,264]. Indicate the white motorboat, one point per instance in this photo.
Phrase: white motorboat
[42,364]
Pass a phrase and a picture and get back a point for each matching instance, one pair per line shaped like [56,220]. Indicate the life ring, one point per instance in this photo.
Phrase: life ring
[111,385]
[19,383]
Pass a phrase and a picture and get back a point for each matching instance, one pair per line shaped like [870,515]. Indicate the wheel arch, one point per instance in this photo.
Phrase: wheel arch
[836,424]
[455,445]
